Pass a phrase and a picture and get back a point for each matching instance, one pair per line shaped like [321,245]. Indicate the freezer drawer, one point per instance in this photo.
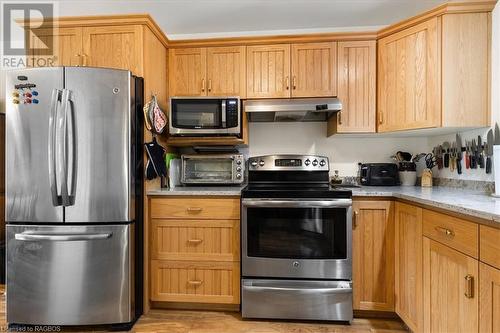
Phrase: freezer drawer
[70,275]
[297,299]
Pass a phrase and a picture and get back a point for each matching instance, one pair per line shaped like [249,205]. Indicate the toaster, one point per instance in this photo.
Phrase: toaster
[379,174]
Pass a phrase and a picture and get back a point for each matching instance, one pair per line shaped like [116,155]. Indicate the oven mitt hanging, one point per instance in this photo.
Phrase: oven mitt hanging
[156,160]
[154,117]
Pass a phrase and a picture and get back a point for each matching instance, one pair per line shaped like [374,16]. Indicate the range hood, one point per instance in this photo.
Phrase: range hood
[291,109]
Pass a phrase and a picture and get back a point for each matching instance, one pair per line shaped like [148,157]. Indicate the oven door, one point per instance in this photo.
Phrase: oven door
[297,238]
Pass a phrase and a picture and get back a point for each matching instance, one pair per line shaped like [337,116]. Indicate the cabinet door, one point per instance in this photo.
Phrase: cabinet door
[268,71]
[373,256]
[450,289]
[409,79]
[67,46]
[356,87]
[114,47]
[314,67]
[489,299]
[226,69]
[187,69]
[408,282]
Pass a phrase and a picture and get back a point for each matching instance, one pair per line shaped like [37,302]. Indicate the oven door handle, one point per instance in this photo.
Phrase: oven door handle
[300,290]
[336,203]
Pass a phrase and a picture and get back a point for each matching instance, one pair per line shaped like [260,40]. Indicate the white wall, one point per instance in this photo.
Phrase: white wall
[344,152]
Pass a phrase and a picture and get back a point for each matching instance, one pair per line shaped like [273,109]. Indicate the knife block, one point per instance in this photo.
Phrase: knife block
[426,178]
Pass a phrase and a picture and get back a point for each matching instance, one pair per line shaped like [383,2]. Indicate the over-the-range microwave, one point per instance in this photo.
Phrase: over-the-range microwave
[206,116]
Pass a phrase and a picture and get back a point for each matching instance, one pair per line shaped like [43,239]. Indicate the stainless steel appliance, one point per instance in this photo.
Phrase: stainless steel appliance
[379,174]
[296,241]
[213,169]
[207,116]
[74,196]
[291,109]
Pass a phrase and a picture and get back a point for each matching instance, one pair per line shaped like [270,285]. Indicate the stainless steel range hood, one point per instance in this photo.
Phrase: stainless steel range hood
[290,109]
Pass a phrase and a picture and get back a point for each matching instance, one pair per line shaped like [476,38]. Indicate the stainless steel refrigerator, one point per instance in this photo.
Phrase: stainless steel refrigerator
[73,196]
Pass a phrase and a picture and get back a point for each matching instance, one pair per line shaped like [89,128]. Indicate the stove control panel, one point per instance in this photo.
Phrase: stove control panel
[289,163]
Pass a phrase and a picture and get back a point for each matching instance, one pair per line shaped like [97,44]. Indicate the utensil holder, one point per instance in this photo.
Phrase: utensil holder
[408,178]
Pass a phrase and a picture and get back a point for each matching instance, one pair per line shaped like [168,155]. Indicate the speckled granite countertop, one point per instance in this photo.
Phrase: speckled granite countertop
[467,202]
[199,190]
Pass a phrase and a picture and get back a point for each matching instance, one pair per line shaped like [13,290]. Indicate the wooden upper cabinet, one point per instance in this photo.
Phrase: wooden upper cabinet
[67,47]
[268,71]
[188,72]
[408,263]
[356,88]
[226,71]
[314,67]
[409,81]
[466,69]
[450,289]
[114,47]
[373,255]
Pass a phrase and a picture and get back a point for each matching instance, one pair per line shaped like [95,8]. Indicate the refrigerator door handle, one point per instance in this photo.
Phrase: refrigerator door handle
[68,155]
[31,236]
[51,147]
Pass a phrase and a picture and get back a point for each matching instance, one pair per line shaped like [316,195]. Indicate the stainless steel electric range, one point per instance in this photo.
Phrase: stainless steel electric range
[296,241]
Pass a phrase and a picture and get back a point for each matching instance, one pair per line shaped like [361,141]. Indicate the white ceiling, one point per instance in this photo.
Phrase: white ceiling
[218,18]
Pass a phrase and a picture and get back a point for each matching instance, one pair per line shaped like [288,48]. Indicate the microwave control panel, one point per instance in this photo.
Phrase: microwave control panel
[232,112]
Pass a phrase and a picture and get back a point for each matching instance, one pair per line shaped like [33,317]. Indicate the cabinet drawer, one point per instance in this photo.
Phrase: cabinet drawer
[198,208]
[183,281]
[454,232]
[489,239]
[217,240]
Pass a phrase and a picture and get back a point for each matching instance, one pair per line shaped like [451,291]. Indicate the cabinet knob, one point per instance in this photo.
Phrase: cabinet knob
[294,82]
[195,282]
[194,209]
[355,219]
[202,85]
[469,286]
[287,82]
[380,117]
[209,85]
[446,231]
[339,117]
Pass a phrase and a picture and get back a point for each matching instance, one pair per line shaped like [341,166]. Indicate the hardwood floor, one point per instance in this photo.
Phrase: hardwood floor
[181,321]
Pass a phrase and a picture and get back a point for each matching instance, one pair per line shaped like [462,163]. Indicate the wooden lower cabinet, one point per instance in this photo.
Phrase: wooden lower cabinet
[196,240]
[195,250]
[200,282]
[489,299]
[373,255]
[450,289]
[408,265]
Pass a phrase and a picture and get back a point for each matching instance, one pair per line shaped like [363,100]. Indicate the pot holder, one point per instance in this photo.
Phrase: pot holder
[156,164]
[155,118]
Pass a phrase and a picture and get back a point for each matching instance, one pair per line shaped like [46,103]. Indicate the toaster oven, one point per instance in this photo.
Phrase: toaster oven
[379,174]
[215,169]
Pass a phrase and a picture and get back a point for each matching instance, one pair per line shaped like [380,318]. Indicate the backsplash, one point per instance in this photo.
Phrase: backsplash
[344,152]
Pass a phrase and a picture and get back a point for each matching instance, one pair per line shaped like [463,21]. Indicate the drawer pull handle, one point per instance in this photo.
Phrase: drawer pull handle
[195,282]
[355,219]
[195,241]
[194,209]
[469,288]
[445,231]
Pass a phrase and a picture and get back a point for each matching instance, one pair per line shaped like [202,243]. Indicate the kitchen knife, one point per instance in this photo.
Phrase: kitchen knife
[467,154]
[452,157]
[480,156]
[446,162]
[439,157]
[459,153]
[473,160]
[497,135]
[489,150]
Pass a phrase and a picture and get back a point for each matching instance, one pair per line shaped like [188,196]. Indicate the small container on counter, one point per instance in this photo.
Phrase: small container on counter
[407,173]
